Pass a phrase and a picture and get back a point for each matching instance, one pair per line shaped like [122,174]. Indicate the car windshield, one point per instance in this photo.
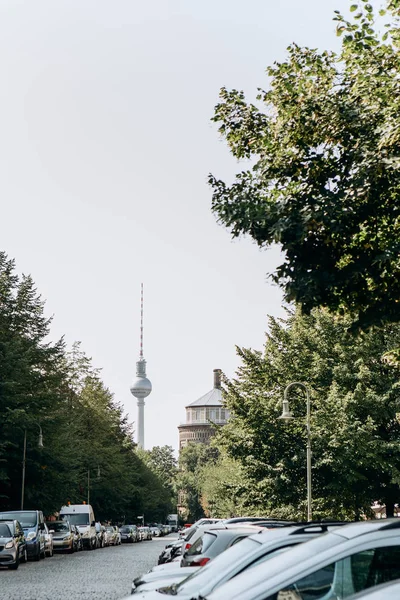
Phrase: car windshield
[278,564]
[125,529]
[110,530]
[59,526]
[5,531]
[76,518]
[26,518]
[217,566]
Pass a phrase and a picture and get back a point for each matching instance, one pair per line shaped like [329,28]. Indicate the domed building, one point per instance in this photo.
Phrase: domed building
[201,414]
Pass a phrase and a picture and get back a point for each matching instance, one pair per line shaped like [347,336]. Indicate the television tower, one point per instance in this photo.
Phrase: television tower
[141,387]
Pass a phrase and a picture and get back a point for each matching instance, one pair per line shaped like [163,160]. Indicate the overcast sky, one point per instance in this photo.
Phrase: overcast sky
[105,147]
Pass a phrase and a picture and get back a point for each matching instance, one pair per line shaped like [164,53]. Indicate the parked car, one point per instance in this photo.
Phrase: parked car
[12,544]
[48,541]
[155,532]
[100,535]
[82,516]
[112,536]
[347,560]
[117,531]
[63,536]
[187,531]
[145,533]
[129,534]
[78,541]
[170,552]
[32,523]
[152,579]
[236,559]
[213,542]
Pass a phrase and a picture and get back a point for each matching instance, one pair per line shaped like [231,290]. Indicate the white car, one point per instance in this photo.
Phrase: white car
[336,565]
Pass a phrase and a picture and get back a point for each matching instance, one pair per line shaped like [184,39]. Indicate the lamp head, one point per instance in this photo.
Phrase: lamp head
[286,414]
[40,441]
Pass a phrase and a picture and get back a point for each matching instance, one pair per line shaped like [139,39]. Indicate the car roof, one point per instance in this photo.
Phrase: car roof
[302,554]
[235,530]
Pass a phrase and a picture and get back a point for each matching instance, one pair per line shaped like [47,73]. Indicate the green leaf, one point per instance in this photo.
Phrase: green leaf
[353,7]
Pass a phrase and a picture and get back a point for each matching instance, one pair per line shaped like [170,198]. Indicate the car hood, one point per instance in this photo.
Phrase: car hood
[170,574]
[4,540]
[155,585]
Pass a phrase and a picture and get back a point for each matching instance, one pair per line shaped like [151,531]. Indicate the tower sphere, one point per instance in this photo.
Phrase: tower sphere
[141,387]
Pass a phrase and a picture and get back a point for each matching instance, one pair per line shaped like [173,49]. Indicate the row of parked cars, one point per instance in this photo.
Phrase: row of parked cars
[270,559]
[24,534]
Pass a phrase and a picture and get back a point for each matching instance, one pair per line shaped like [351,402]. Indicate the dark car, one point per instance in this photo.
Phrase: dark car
[12,544]
[32,523]
[129,534]
[213,542]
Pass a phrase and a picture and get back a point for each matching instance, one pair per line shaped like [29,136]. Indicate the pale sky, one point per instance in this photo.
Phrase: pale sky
[105,147]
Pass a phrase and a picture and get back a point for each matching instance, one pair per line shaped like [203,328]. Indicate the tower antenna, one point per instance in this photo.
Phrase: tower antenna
[141,322]
[141,387]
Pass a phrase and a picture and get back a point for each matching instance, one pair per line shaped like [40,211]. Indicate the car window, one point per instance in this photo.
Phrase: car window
[202,544]
[239,539]
[345,577]
[4,531]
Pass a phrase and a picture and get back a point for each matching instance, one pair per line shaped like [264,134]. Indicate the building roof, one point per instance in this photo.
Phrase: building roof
[213,398]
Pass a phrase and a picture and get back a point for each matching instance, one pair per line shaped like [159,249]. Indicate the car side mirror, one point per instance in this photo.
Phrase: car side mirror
[93,523]
[41,526]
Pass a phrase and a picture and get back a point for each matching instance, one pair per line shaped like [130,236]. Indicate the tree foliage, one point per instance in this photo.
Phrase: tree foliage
[192,459]
[43,384]
[323,147]
[355,419]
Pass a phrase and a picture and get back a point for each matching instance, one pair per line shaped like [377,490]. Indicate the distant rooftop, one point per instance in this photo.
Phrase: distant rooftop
[213,398]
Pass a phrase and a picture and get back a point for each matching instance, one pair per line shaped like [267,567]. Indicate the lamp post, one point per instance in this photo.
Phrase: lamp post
[40,445]
[288,416]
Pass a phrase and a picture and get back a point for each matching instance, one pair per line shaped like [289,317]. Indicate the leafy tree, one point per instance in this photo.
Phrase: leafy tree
[323,178]
[355,418]
[192,459]
[44,385]
[223,488]
[162,461]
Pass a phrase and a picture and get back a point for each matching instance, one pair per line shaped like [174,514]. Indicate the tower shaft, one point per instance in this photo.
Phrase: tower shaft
[140,434]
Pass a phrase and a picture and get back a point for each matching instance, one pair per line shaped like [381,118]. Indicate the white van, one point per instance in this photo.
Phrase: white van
[82,516]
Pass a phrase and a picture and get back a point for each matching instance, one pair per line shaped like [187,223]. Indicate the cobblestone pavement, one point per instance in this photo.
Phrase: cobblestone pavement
[105,573]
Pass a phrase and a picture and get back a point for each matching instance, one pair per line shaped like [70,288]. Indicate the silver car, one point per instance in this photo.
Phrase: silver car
[236,559]
[48,541]
[12,545]
[335,565]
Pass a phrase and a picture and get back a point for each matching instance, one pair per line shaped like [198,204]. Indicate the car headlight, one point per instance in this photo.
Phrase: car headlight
[31,536]
[86,534]
[67,537]
[9,545]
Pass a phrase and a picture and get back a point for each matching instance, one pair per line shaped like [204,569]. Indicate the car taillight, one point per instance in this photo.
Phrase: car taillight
[187,546]
[201,562]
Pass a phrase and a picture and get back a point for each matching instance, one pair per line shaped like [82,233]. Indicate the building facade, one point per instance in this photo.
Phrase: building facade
[201,414]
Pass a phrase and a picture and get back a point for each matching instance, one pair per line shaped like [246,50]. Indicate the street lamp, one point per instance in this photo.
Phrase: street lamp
[40,445]
[288,416]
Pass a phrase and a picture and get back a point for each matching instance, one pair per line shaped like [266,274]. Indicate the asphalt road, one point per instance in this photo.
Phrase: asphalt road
[105,573]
